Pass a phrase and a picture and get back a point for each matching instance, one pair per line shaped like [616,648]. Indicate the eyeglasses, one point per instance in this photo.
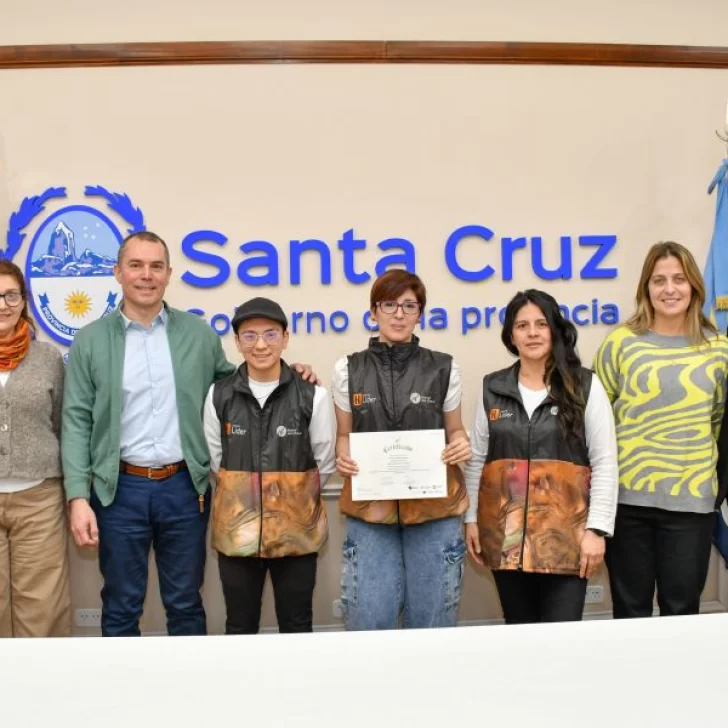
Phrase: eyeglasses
[12,298]
[409,308]
[248,339]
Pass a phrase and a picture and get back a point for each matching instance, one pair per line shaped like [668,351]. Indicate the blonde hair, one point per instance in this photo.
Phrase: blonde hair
[643,317]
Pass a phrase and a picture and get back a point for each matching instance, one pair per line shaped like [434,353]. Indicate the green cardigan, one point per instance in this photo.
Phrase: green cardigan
[91,422]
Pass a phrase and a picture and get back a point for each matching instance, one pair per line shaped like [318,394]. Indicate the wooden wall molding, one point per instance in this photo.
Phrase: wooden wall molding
[335,51]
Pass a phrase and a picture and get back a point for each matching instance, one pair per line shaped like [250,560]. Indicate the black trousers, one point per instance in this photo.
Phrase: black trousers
[527,598]
[243,578]
[652,548]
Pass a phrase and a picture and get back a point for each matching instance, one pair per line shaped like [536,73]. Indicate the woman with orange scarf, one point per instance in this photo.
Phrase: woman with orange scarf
[35,598]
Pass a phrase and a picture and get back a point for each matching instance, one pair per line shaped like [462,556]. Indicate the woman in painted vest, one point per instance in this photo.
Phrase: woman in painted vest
[35,598]
[543,477]
[665,373]
[400,557]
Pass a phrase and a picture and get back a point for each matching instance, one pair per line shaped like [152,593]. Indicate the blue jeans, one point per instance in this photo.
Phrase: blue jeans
[165,514]
[415,571]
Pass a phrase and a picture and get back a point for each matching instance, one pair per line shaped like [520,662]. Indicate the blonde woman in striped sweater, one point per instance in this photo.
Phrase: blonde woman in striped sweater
[664,371]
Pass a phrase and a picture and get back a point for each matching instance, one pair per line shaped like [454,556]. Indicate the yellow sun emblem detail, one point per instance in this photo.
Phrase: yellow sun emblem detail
[78,304]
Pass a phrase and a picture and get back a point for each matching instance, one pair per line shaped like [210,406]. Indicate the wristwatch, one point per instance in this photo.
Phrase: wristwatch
[598,532]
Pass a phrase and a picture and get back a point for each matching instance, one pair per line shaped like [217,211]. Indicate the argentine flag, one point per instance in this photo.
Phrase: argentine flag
[716,308]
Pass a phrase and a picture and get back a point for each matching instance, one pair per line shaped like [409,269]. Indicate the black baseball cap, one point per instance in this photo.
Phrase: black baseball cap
[259,308]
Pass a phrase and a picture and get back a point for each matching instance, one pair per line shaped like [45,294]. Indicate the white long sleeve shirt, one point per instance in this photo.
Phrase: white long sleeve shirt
[601,442]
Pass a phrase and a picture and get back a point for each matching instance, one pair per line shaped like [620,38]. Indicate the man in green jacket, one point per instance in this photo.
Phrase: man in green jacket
[135,461]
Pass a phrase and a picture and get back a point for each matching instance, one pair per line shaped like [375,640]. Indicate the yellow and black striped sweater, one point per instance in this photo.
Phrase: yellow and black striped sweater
[668,399]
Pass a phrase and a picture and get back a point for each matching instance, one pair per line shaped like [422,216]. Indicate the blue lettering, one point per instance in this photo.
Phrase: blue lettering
[406,257]
[268,260]
[489,311]
[298,247]
[216,320]
[564,269]
[577,318]
[610,314]
[295,317]
[438,319]
[603,244]
[451,254]
[199,256]
[469,319]
[349,244]
[508,247]
[312,316]
[369,323]
[343,326]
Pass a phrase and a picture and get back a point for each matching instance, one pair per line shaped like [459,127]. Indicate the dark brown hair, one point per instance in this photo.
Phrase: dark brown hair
[392,284]
[8,268]
[563,368]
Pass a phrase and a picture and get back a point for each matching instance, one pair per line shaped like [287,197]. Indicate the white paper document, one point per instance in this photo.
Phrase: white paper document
[398,465]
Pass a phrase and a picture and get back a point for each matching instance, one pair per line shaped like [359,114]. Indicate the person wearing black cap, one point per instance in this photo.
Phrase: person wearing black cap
[271,441]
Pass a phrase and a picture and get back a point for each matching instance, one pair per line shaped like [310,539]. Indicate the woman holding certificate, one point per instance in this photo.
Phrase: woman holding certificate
[543,477]
[404,552]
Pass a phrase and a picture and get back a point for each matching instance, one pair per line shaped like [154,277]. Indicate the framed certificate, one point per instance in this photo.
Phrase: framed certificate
[398,465]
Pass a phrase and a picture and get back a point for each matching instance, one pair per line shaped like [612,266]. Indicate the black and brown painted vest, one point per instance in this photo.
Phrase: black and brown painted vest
[268,497]
[401,387]
[534,488]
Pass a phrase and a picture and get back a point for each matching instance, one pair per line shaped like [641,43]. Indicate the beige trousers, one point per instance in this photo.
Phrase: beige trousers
[35,593]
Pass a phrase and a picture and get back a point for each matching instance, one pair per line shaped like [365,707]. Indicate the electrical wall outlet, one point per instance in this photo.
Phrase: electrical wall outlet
[87,618]
[336,609]
[594,594]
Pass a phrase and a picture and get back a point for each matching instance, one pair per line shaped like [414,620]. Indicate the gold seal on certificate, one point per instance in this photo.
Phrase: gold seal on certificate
[398,465]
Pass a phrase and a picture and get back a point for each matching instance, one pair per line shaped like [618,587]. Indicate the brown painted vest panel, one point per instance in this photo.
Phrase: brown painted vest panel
[533,498]
[268,497]
[544,536]
[293,519]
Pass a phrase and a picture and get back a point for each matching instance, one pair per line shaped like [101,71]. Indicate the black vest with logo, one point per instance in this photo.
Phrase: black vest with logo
[401,387]
[534,488]
[268,497]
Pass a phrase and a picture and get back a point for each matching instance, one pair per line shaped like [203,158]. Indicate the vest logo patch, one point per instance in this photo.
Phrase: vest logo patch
[283,431]
[496,414]
[554,410]
[359,399]
[232,429]
[417,398]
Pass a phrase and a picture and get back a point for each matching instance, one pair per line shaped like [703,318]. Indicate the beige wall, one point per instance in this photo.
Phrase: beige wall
[293,151]
[701,22]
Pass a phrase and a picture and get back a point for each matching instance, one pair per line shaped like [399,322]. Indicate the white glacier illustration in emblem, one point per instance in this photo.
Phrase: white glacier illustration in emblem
[61,260]
[61,245]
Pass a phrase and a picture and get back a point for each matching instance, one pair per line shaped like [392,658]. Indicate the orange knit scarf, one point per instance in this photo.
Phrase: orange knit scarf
[14,348]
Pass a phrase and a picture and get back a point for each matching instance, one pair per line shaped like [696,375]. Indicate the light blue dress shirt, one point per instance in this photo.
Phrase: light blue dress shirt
[149,421]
